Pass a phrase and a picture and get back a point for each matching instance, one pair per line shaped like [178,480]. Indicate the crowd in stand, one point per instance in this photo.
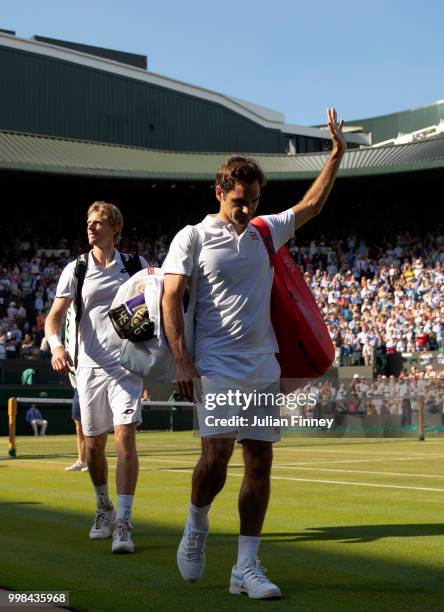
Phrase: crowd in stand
[29,272]
[376,299]
[379,299]
[383,396]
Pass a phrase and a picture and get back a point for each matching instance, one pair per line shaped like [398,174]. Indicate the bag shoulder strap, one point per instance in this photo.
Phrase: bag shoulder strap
[80,273]
[197,247]
[262,227]
[192,299]
[132,262]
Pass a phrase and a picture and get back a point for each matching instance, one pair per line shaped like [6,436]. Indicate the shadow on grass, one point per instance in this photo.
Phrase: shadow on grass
[45,549]
[358,534]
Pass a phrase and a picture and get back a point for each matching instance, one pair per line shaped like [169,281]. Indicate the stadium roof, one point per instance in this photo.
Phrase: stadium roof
[62,156]
[387,127]
[75,54]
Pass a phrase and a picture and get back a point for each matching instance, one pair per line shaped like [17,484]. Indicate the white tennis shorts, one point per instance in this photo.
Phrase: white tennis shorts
[230,388]
[107,398]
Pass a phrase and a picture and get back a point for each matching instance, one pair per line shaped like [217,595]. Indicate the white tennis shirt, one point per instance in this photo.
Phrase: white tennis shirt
[98,291]
[234,284]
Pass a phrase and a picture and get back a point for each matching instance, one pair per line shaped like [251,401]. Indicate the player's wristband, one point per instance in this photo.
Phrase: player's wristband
[54,342]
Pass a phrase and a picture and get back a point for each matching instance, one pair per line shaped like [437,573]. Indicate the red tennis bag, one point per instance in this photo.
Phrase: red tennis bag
[305,346]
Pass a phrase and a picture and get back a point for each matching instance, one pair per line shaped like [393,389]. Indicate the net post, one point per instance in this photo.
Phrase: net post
[12,414]
[421,428]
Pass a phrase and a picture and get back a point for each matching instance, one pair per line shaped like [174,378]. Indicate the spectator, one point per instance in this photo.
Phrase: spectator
[12,311]
[146,395]
[27,346]
[11,347]
[28,376]
[35,419]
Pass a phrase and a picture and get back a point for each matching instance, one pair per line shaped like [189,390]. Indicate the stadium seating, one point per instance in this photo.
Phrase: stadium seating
[376,300]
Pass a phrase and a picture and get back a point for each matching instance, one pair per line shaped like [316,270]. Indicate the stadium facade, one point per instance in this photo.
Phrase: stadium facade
[76,92]
[79,110]
[75,109]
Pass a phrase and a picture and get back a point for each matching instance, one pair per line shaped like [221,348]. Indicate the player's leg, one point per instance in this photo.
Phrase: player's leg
[44,425]
[255,489]
[210,472]
[97,420]
[126,480]
[127,460]
[124,393]
[208,480]
[248,575]
[34,427]
[98,471]
[80,463]
[80,440]
[96,458]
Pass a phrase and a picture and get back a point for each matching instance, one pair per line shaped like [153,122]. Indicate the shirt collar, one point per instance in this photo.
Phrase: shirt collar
[117,259]
[214,221]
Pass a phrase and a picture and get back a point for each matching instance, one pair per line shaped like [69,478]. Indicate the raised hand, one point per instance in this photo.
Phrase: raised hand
[335,128]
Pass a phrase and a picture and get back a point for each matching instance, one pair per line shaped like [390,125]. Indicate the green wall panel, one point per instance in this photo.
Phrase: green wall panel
[45,95]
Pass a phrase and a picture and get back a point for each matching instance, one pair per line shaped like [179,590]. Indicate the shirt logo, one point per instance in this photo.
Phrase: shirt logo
[253,236]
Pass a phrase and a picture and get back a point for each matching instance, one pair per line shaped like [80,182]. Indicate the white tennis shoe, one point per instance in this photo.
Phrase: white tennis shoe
[252,581]
[103,523]
[78,466]
[191,554]
[122,542]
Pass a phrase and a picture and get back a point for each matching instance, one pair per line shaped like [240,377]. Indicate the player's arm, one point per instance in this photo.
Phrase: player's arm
[174,286]
[315,198]
[60,360]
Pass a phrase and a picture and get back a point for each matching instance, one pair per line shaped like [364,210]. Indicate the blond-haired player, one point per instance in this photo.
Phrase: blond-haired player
[109,395]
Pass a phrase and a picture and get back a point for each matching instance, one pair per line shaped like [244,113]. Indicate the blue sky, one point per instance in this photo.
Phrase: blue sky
[365,58]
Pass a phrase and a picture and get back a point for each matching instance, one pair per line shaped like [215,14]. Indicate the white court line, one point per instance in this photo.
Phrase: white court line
[317,449]
[297,466]
[376,460]
[284,465]
[64,460]
[288,464]
[315,469]
[337,482]
[141,459]
[181,462]
[275,465]
[110,465]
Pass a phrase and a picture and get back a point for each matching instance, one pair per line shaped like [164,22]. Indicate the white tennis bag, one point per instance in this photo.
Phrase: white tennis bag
[152,359]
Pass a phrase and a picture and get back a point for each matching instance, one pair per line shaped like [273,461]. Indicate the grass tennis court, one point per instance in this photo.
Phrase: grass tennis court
[352,525]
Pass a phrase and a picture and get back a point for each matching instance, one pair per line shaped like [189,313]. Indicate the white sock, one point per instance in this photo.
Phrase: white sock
[248,547]
[198,517]
[124,503]
[102,496]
